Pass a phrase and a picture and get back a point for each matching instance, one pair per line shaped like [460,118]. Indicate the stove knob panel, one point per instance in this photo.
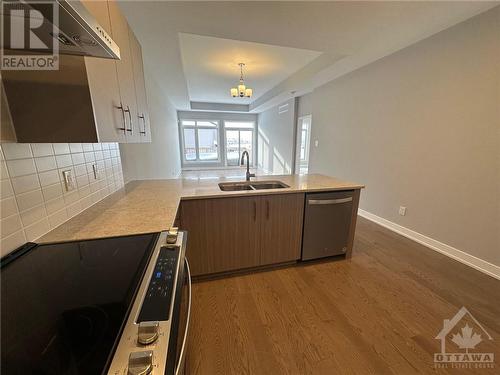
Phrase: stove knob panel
[140,363]
[148,332]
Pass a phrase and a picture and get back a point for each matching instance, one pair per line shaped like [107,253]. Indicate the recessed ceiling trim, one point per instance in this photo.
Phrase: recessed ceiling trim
[219,107]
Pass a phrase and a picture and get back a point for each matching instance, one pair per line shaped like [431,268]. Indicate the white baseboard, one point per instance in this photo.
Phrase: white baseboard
[459,255]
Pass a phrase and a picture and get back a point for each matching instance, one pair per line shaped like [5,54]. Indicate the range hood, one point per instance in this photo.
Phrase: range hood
[77,32]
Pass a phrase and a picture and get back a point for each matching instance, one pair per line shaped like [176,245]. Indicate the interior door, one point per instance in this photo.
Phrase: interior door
[281,217]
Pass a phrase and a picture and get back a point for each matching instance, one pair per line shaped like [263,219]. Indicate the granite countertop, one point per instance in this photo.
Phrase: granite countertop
[148,206]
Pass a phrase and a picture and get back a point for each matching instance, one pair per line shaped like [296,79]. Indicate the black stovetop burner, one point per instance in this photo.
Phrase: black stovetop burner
[63,305]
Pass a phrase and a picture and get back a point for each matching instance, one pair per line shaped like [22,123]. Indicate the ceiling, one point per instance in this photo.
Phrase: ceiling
[211,66]
[185,43]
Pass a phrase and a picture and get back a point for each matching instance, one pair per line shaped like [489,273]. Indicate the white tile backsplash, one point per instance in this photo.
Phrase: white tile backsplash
[6,189]
[8,207]
[32,193]
[64,161]
[29,200]
[61,148]
[13,151]
[42,149]
[21,167]
[45,163]
[49,177]
[75,147]
[25,183]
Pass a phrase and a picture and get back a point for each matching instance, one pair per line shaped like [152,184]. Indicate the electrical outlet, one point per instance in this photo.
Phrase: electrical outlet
[316,143]
[69,183]
[402,210]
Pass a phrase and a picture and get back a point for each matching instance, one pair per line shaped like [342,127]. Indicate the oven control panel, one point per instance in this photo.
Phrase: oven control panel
[143,345]
[158,298]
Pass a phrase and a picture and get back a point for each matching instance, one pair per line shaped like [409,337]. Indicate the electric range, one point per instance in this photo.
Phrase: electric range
[116,306]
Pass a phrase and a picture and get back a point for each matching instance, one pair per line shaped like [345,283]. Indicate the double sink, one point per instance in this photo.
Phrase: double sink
[252,185]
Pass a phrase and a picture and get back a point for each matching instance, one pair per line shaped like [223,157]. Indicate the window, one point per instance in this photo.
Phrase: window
[239,138]
[303,141]
[200,140]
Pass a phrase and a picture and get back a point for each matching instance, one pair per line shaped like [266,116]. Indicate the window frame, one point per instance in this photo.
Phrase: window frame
[239,129]
[197,127]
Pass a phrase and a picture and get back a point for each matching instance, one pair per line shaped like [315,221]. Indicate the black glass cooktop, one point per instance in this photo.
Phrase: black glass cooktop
[63,305]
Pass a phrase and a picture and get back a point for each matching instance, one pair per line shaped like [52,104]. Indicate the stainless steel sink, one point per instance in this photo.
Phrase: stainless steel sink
[252,185]
[234,186]
[261,185]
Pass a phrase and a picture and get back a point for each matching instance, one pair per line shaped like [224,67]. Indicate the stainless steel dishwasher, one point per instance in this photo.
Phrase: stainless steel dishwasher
[327,222]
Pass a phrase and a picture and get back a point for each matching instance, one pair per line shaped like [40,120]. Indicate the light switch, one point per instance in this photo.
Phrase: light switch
[316,143]
[69,182]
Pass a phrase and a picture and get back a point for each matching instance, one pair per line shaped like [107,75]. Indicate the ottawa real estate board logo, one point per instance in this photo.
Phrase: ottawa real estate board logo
[29,34]
[463,333]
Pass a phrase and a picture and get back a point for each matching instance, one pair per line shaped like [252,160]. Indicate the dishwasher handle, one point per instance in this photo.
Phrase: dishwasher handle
[328,201]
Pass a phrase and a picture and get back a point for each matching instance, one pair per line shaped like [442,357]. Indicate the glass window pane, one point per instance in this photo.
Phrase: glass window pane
[246,143]
[303,141]
[188,123]
[232,147]
[207,123]
[207,144]
[239,124]
[189,145]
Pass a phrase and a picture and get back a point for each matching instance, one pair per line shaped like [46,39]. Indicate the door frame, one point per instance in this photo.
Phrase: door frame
[298,141]
[239,130]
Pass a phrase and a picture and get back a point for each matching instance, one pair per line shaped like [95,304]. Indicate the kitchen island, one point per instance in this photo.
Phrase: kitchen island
[155,205]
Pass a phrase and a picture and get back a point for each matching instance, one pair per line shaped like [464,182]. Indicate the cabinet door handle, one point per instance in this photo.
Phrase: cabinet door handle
[329,201]
[144,123]
[267,209]
[130,119]
[124,128]
[254,210]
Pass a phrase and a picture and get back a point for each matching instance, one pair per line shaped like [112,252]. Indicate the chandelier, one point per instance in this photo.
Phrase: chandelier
[241,91]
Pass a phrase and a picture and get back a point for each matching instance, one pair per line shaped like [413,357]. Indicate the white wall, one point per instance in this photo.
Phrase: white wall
[421,128]
[276,135]
[159,159]
[304,105]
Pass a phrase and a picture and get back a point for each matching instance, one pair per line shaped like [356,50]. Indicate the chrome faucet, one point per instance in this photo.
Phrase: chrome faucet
[248,175]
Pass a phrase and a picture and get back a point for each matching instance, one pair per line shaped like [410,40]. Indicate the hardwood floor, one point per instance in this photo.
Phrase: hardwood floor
[377,313]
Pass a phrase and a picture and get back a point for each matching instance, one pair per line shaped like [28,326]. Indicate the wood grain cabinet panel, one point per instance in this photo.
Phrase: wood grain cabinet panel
[223,234]
[281,218]
[229,234]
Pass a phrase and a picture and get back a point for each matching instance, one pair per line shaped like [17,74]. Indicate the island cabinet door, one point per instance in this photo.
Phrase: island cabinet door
[222,234]
[281,218]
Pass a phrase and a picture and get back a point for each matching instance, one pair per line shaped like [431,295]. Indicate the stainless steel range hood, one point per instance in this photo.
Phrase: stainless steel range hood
[77,32]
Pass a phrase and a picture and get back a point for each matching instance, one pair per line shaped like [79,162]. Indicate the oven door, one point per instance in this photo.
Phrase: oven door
[180,324]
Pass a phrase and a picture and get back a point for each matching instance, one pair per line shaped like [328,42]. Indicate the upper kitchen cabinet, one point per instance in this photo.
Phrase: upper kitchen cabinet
[103,84]
[88,99]
[125,70]
[140,89]
[6,130]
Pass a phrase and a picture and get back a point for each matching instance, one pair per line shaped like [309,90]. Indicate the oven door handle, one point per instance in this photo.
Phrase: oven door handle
[182,354]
